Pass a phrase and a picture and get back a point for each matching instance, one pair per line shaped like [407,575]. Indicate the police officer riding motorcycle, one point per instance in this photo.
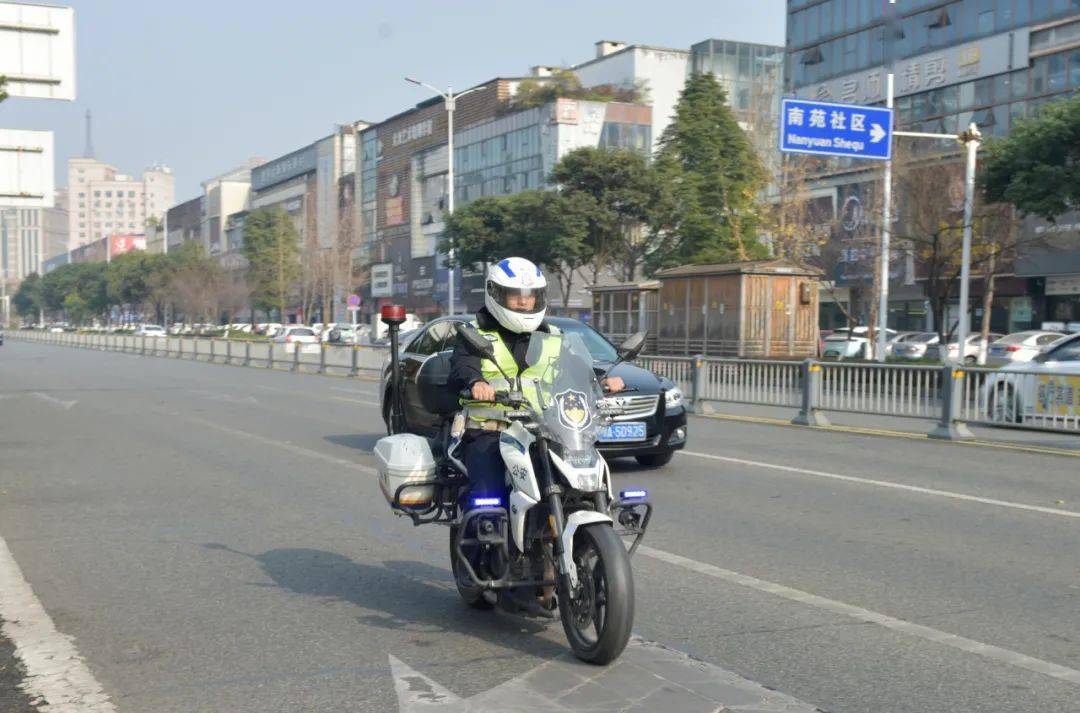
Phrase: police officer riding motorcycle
[535,524]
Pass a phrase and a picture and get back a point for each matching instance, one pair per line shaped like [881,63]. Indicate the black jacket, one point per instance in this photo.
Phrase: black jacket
[465,367]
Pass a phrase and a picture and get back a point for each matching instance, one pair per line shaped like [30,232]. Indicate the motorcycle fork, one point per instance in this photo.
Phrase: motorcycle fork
[553,492]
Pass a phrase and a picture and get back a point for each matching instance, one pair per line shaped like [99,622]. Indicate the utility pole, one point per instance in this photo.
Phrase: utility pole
[886,235]
[450,101]
[971,138]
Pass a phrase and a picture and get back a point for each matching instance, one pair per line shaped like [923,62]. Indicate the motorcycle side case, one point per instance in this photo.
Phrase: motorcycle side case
[405,459]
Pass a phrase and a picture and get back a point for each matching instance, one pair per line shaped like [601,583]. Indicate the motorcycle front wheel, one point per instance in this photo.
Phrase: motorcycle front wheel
[598,620]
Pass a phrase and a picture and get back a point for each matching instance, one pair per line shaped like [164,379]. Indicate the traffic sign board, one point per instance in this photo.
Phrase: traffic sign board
[830,129]
[354,301]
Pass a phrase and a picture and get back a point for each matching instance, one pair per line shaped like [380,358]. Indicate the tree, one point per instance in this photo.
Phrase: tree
[3,88]
[548,227]
[626,195]
[271,245]
[84,280]
[1036,168]
[28,301]
[715,176]
[194,283]
[127,279]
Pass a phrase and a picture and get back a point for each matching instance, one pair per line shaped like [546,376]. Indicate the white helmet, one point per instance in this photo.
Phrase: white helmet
[509,279]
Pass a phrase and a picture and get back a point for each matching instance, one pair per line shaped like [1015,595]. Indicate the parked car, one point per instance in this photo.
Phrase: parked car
[914,346]
[951,350]
[1047,387]
[298,334]
[1,335]
[1021,347]
[339,333]
[898,338]
[651,415]
[851,343]
[151,330]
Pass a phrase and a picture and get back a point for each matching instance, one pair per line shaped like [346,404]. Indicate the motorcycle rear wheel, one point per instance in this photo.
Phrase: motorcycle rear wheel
[475,597]
[599,620]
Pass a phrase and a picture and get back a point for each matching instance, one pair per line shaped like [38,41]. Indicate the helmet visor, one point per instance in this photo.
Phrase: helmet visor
[523,300]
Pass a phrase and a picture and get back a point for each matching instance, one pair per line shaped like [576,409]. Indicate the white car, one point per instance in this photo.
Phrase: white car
[896,339]
[914,346]
[1021,347]
[298,334]
[345,333]
[1044,391]
[951,350]
[151,330]
[851,344]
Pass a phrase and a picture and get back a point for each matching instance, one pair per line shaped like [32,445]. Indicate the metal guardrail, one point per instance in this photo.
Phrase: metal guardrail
[953,395]
[344,359]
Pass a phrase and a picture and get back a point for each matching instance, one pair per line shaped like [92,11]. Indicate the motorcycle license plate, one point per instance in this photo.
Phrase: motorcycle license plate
[623,432]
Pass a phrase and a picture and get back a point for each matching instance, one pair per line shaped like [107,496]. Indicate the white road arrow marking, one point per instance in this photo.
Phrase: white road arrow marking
[876,133]
[639,679]
[66,405]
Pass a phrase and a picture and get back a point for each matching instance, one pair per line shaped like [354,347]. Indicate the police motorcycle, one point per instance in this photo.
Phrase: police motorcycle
[554,548]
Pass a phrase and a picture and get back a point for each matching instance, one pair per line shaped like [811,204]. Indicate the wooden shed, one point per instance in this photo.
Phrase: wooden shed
[761,308]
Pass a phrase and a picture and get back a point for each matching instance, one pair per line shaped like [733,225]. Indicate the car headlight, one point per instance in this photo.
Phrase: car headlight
[673,397]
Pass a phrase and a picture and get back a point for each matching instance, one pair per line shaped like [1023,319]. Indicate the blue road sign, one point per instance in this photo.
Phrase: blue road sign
[831,129]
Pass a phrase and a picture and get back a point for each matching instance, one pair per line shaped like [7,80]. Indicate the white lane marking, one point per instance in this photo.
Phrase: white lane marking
[66,405]
[284,445]
[315,397]
[989,651]
[55,672]
[887,484]
[354,392]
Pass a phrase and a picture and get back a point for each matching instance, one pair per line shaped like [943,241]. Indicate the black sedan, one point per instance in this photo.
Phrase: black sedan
[650,418]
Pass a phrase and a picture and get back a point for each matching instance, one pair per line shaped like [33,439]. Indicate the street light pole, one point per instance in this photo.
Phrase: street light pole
[450,102]
[971,138]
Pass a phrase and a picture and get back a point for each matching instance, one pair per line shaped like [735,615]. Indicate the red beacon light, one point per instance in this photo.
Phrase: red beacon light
[392,314]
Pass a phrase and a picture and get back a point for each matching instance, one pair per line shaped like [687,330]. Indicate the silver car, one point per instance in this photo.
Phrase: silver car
[914,347]
[1021,347]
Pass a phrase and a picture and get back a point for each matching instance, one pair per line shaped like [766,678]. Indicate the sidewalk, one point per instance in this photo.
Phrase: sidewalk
[1064,443]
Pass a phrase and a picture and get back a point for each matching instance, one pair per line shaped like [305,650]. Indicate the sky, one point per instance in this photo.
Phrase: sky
[202,85]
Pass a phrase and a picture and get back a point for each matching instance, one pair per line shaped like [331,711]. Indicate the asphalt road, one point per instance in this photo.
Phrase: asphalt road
[212,539]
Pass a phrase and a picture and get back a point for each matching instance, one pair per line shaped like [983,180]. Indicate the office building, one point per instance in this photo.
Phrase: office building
[991,62]
[102,201]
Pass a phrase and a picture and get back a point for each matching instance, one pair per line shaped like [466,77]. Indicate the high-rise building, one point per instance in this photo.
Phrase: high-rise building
[991,62]
[102,202]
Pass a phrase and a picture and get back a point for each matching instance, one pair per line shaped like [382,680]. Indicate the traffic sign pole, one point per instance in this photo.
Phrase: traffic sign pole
[886,228]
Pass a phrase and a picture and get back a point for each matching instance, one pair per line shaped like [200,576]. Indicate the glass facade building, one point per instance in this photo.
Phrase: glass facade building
[752,75]
[991,62]
[954,62]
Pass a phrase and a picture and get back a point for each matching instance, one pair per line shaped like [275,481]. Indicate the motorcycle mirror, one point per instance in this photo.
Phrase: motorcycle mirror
[633,345]
[474,341]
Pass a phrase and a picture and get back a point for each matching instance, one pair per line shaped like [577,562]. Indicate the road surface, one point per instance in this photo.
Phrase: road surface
[211,538]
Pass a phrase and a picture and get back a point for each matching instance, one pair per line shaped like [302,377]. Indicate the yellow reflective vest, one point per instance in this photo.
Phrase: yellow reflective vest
[542,370]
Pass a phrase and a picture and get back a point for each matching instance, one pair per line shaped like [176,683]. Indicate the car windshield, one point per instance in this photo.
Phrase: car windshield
[599,347]
[923,338]
[301,332]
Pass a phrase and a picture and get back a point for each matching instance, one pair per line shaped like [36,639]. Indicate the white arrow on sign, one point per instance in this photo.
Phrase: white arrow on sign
[876,133]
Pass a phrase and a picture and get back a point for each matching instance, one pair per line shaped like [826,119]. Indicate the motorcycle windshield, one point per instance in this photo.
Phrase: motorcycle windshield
[564,390]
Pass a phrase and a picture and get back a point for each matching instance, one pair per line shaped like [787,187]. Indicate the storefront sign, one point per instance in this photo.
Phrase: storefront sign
[953,65]
[1064,285]
[394,211]
[382,280]
[411,133]
[566,111]
[295,164]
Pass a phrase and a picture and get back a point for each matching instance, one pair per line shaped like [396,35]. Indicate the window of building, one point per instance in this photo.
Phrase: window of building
[82,195]
[97,194]
[1074,68]
[1055,72]
[108,194]
[984,20]
[984,91]
[131,194]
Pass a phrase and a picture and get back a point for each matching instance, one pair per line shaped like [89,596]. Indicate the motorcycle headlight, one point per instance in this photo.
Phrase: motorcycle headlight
[673,397]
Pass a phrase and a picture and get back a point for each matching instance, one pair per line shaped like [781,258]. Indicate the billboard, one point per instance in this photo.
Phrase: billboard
[382,280]
[37,50]
[282,169]
[120,244]
[26,168]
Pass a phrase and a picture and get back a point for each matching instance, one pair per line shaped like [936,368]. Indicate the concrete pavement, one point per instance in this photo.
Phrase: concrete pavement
[213,539]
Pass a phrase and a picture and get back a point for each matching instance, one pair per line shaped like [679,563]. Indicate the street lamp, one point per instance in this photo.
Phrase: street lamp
[971,138]
[450,101]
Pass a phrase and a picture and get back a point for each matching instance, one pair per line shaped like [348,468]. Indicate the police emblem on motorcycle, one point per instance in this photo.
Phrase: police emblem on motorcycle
[573,409]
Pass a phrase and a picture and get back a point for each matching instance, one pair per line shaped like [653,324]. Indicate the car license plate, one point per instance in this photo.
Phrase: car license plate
[623,432]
